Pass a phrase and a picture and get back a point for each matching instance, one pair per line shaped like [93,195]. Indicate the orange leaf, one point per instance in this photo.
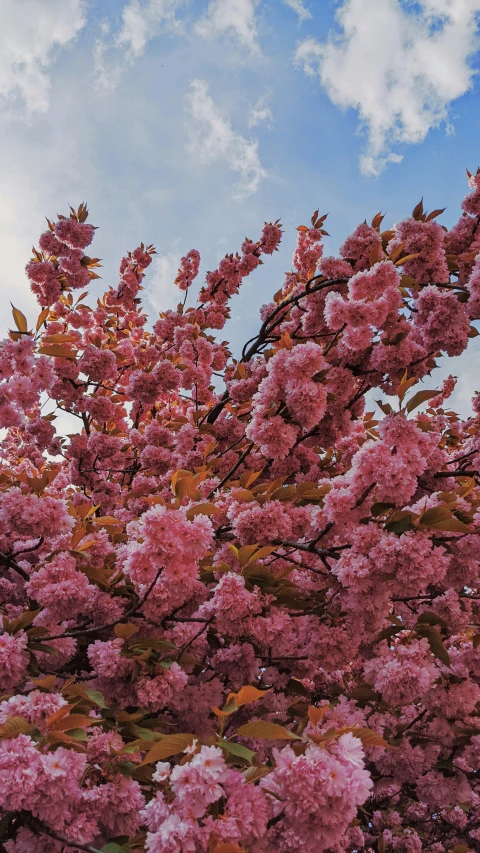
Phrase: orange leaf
[73,721]
[407,258]
[106,520]
[42,317]
[201,509]
[316,715]
[168,746]
[59,714]
[376,255]
[77,536]
[14,726]
[47,683]
[57,351]
[125,630]
[246,695]
[270,731]
[417,212]
[61,338]
[84,546]
[245,553]
[20,319]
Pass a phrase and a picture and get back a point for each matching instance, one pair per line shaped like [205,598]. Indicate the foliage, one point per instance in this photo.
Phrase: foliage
[240,611]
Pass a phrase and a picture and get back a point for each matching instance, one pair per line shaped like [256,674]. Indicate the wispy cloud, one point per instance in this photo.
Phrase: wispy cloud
[400,68]
[299,7]
[107,71]
[29,34]
[212,139]
[261,112]
[232,17]
[161,292]
[143,21]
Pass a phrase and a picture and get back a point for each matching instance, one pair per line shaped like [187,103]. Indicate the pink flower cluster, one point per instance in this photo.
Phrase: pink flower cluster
[291,378]
[316,795]
[373,298]
[197,785]
[188,269]
[426,240]
[261,568]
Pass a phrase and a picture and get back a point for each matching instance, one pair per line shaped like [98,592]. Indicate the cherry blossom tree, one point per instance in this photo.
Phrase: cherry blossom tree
[241,607]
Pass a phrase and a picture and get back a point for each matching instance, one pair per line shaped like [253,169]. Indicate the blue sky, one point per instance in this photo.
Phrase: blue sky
[187,124]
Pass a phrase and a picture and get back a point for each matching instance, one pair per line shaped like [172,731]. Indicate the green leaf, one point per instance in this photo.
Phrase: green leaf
[78,734]
[400,523]
[146,734]
[42,647]
[237,749]
[150,643]
[112,847]
[270,731]
[96,697]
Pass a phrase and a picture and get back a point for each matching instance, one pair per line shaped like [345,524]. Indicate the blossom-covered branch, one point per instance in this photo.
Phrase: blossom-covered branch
[241,612]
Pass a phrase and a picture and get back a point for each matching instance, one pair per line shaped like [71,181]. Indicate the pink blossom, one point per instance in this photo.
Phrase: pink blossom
[29,516]
[271,236]
[425,239]
[284,517]
[13,659]
[77,235]
[188,270]
[471,204]
[155,693]
[402,674]
[20,767]
[433,308]
[97,364]
[359,245]
[316,795]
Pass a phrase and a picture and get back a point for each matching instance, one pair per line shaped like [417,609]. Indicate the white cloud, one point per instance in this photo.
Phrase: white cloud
[399,67]
[235,17]
[299,7]
[161,292]
[213,139]
[29,33]
[106,74]
[261,112]
[143,21]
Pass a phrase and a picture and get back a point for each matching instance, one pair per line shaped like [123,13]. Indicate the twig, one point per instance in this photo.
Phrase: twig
[9,563]
[232,471]
[300,546]
[80,632]
[456,474]
[39,827]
